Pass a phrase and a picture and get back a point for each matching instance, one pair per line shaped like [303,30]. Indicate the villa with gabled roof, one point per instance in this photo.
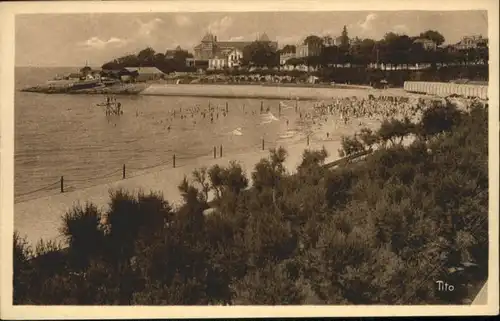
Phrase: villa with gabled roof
[211,48]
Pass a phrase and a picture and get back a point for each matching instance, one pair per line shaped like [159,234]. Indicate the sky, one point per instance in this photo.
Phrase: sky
[74,39]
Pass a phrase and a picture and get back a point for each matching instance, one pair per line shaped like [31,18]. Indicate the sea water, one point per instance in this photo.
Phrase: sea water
[68,135]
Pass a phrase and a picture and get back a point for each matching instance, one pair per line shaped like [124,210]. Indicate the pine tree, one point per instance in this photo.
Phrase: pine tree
[344,38]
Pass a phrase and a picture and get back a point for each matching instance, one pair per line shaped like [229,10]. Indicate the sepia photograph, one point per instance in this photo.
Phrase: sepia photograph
[224,157]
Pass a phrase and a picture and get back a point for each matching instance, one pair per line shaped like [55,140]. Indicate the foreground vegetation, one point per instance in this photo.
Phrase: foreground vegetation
[380,230]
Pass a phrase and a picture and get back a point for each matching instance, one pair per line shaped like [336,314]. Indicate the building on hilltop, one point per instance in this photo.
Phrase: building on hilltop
[285,56]
[427,44]
[235,58]
[471,42]
[308,50]
[210,47]
[207,47]
[227,59]
[302,50]
[337,41]
[200,65]
[217,62]
[170,54]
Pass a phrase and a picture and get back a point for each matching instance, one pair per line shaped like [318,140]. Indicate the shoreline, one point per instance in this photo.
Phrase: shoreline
[164,179]
[259,91]
[122,89]
[221,90]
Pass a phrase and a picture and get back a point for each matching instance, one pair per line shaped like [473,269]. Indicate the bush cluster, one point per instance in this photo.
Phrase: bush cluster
[381,230]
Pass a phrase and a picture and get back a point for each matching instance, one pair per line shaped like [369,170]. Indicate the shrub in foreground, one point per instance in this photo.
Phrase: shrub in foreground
[377,231]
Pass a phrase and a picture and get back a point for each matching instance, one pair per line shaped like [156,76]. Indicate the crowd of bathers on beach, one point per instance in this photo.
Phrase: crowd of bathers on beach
[343,110]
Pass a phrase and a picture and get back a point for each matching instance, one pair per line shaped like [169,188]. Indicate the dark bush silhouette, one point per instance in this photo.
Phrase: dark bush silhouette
[438,118]
[394,131]
[350,146]
[380,230]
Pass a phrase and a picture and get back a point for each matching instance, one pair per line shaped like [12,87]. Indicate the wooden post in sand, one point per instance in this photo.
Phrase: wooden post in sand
[123,171]
[307,140]
[220,151]
[227,107]
[262,143]
[173,160]
[62,184]
[215,152]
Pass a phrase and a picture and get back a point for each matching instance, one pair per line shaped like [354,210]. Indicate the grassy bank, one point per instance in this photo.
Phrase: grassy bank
[381,230]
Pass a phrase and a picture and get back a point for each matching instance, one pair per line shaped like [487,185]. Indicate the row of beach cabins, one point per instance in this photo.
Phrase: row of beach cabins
[447,89]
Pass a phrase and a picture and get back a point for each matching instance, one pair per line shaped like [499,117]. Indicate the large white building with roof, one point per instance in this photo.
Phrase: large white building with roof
[210,47]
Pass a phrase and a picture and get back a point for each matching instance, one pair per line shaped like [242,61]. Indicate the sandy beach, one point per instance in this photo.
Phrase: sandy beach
[90,156]
[164,179]
[264,92]
[326,130]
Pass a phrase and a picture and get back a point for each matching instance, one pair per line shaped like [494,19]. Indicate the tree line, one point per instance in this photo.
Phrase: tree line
[148,57]
[394,49]
[379,230]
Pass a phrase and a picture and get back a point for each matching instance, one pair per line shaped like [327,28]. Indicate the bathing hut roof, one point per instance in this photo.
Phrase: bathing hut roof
[144,70]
